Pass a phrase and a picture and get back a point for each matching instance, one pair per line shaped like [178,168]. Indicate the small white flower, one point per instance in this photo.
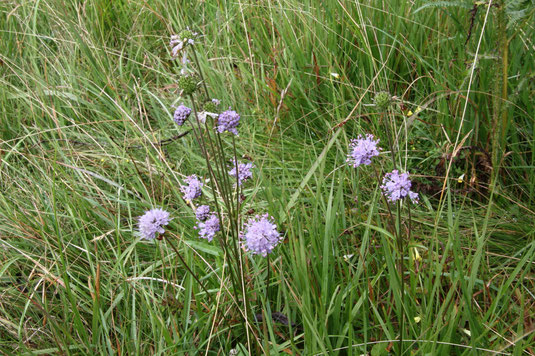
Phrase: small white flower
[185,59]
[203,114]
[178,42]
[177,48]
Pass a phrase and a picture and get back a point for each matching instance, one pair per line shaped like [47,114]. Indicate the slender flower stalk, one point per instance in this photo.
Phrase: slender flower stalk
[208,134]
[377,177]
[219,179]
[394,188]
[215,183]
[401,251]
[214,180]
[203,82]
[188,269]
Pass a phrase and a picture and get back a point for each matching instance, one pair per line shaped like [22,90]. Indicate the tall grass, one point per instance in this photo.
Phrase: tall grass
[86,90]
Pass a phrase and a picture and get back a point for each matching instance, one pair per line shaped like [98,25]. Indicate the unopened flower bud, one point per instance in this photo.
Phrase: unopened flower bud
[382,100]
[188,84]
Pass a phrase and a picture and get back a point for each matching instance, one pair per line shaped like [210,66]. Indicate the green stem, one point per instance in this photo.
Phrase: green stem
[500,97]
[197,63]
[399,238]
[215,182]
[378,177]
[267,310]
[232,209]
[188,269]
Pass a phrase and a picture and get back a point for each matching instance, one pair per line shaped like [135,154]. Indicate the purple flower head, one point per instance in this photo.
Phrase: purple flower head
[260,235]
[209,227]
[202,212]
[182,113]
[193,188]
[228,121]
[397,186]
[362,150]
[243,171]
[151,223]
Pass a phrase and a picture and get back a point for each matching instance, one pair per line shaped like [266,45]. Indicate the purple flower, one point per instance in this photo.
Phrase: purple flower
[182,112]
[193,188]
[362,150]
[209,227]
[397,186]
[260,235]
[243,172]
[202,212]
[228,121]
[151,223]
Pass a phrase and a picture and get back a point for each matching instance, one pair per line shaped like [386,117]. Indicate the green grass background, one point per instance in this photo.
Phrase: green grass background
[86,89]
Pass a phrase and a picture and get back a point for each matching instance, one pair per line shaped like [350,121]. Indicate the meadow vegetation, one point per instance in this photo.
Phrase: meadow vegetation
[88,143]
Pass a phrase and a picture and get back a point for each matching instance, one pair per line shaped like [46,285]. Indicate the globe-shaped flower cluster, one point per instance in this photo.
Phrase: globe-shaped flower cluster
[260,235]
[152,222]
